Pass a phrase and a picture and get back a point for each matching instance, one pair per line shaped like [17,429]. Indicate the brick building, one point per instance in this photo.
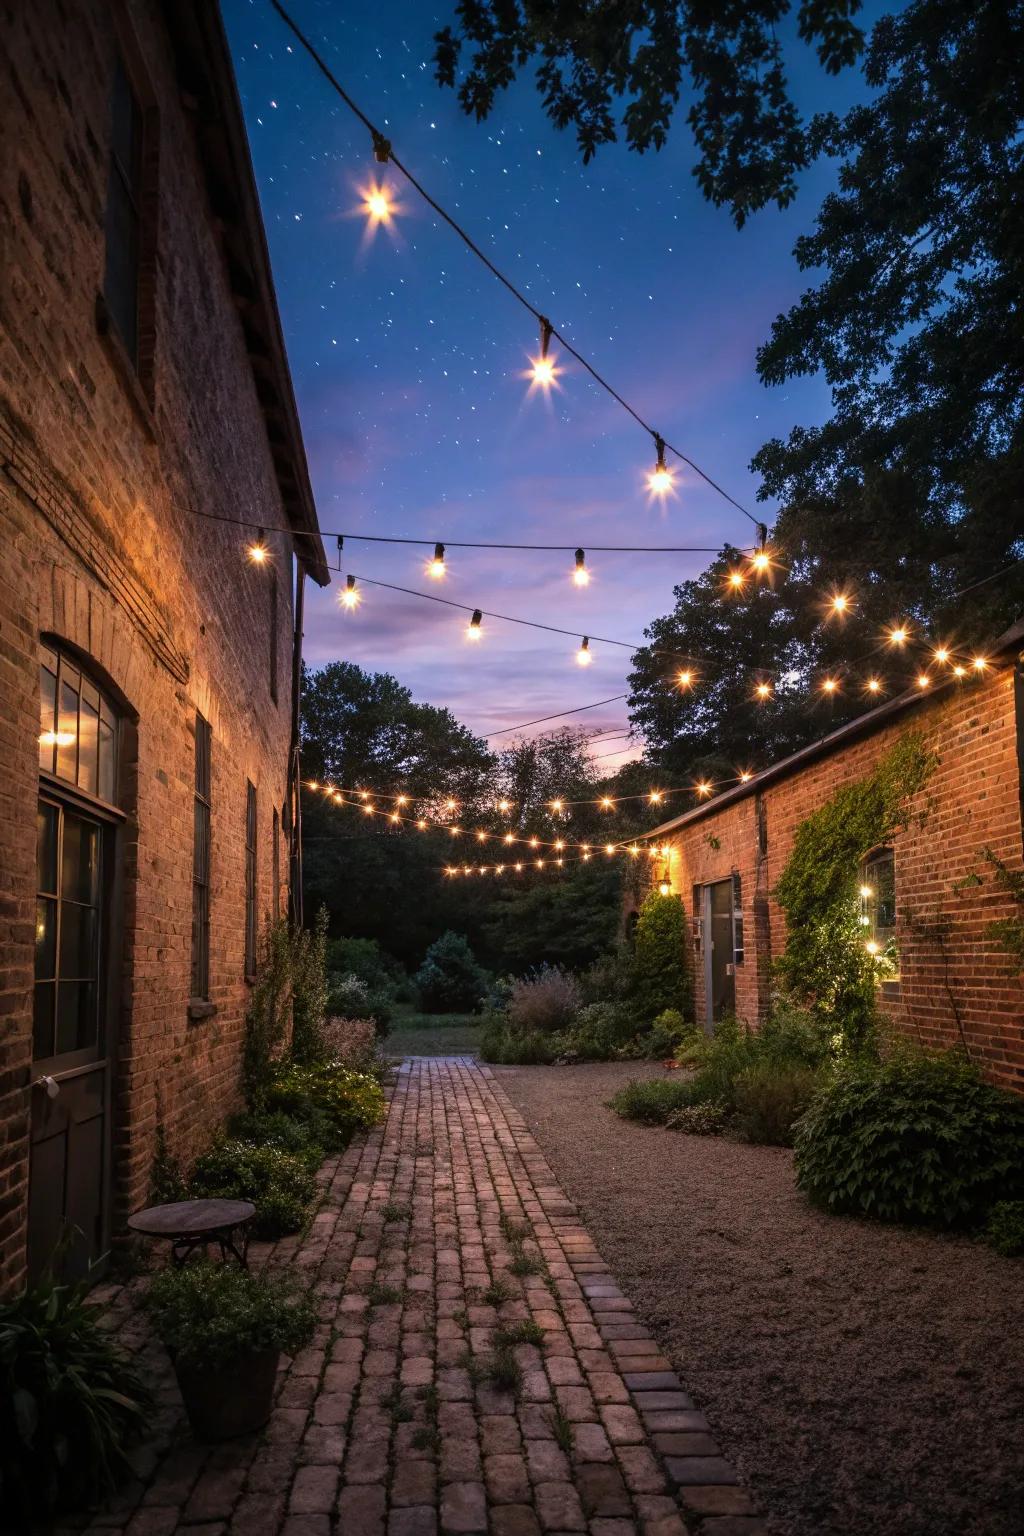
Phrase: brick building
[146,667]
[727,855]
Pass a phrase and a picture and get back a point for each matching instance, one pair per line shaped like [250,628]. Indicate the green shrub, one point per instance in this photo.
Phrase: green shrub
[669,1030]
[334,1101]
[309,990]
[698,1119]
[365,959]
[653,1101]
[210,1314]
[279,1185]
[296,1137]
[598,1033]
[450,980]
[768,1098]
[544,1001]
[70,1406]
[1005,1228]
[917,1139]
[513,1048]
[660,976]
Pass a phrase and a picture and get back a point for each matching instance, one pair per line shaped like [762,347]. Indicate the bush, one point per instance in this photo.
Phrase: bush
[546,1001]
[309,990]
[698,1119]
[599,1032]
[70,1406]
[769,1097]
[652,1102]
[450,980]
[332,1100]
[660,976]
[281,1131]
[365,959]
[665,1035]
[918,1139]
[209,1314]
[1005,1228]
[513,1048]
[348,997]
[353,1043]
[280,1185]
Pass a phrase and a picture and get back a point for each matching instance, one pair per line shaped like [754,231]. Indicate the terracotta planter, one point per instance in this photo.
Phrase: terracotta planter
[234,1399]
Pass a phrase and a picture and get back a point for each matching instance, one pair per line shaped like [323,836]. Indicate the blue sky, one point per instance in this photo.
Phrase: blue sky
[407,357]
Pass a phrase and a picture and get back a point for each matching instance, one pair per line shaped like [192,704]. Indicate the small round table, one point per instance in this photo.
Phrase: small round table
[191,1224]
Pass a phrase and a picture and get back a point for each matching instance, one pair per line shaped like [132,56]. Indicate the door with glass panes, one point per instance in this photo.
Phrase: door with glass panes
[76,831]
[722,927]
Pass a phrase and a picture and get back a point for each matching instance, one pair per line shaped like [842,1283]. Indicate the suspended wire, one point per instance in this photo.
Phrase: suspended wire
[384,153]
[543,719]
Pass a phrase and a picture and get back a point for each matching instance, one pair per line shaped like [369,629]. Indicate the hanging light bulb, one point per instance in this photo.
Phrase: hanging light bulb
[557,805]
[583,656]
[519,869]
[607,803]
[544,371]
[829,685]
[664,888]
[745,775]
[504,805]
[350,597]
[401,799]
[609,848]
[421,825]
[258,553]
[378,205]
[763,690]
[394,816]
[509,837]
[735,579]
[436,567]
[481,837]
[703,789]
[474,628]
[898,635]
[923,680]
[979,663]
[839,603]
[873,685]
[661,479]
[367,810]
[941,655]
[685,679]
[455,831]
[580,575]
[655,797]
[959,671]
[559,845]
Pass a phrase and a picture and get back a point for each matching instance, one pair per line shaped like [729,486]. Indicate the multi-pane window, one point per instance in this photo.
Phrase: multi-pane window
[273,636]
[124,219]
[878,907]
[737,920]
[201,862]
[276,855]
[77,728]
[250,880]
[69,860]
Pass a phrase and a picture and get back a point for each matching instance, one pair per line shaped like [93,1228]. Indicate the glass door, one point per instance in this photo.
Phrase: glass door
[719,951]
[68,1200]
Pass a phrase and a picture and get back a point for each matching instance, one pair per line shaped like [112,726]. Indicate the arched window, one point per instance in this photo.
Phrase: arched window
[77,727]
[878,907]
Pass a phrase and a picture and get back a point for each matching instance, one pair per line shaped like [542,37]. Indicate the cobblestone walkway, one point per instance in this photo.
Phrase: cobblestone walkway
[476,1368]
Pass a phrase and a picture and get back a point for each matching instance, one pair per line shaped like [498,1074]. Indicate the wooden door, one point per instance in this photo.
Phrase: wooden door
[69,1204]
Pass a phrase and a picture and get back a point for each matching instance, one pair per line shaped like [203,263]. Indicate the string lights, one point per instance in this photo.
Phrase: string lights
[661,480]
[583,656]
[258,551]
[350,597]
[436,567]
[580,575]
[474,628]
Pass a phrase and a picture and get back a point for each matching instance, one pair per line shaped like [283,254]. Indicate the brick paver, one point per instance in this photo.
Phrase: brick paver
[409,1414]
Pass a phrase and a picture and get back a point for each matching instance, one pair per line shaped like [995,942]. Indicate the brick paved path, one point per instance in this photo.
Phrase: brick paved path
[411,1413]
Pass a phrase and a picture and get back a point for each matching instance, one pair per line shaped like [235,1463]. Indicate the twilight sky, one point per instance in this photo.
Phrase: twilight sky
[407,358]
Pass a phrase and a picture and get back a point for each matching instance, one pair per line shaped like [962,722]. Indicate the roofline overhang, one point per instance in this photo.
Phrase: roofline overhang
[1009,645]
[206,77]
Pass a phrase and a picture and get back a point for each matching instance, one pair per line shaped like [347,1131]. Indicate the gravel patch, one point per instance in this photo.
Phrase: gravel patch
[865,1380]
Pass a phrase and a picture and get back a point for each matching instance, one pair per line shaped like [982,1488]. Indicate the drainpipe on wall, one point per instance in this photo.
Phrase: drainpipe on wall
[1018,714]
[294,764]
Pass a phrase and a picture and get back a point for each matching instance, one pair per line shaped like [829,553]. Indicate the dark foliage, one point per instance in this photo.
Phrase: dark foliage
[210,1314]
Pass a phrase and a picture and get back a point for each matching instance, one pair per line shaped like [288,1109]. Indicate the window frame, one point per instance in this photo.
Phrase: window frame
[879,904]
[202,851]
[83,683]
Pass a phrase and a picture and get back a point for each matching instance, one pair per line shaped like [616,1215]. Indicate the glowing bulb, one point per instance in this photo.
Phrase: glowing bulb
[436,567]
[474,628]
[451,805]
[763,690]
[745,774]
[686,678]
[534,842]
[941,654]
[544,372]
[583,656]
[873,685]
[979,663]
[559,862]
[394,816]
[872,947]
[609,847]
[761,561]
[899,635]
[586,856]
[509,838]
[519,869]
[259,552]
[866,892]
[454,831]
[959,671]
[653,852]
[367,810]
[661,479]
[364,794]
[401,799]
[481,837]
[580,575]
[829,685]
[736,579]
[655,797]
[634,850]
[557,805]
[310,783]
[924,681]
[540,864]
[421,824]
[559,845]
[840,602]
[350,597]
[378,204]
[664,888]
[703,788]
[607,803]
[504,805]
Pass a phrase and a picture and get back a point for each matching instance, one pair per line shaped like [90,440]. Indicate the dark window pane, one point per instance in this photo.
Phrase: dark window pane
[121,279]
[125,128]
[46,848]
[88,742]
[67,726]
[105,784]
[47,722]
[46,938]
[42,1019]
[77,1019]
[81,862]
[79,950]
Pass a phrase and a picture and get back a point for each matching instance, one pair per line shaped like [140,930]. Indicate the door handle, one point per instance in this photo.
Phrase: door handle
[50,1084]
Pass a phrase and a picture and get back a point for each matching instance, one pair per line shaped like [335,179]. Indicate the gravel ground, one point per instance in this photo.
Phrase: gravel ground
[864,1379]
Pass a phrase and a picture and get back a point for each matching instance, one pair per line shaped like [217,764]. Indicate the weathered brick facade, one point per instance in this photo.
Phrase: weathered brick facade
[103,463]
[953,974]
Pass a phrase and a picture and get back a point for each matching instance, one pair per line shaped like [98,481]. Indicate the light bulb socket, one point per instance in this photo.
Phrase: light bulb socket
[585,643]
[381,148]
[439,552]
[659,443]
[350,583]
[477,620]
[581,560]
[546,329]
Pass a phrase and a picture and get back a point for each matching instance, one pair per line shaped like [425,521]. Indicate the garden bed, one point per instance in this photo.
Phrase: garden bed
[865,1379]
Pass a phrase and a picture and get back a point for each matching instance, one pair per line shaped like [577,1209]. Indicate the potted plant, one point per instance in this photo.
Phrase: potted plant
[225,1329]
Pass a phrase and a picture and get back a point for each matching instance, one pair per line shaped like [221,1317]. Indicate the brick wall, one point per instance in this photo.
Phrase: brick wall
[101,550]
[953,975]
